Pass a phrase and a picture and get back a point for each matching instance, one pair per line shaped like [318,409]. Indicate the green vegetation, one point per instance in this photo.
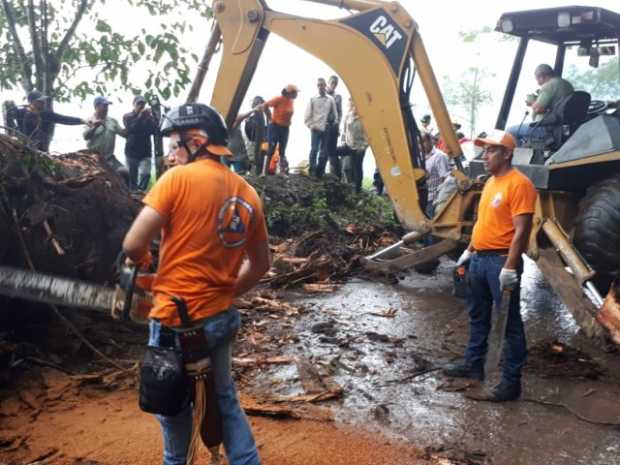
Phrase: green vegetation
[46,44]
[603,83]
[298,204]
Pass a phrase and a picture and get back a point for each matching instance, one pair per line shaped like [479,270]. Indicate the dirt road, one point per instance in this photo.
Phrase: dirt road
[87,427]
[383,343]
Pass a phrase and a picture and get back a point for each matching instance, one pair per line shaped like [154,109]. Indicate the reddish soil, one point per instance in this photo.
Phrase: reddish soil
[61,422]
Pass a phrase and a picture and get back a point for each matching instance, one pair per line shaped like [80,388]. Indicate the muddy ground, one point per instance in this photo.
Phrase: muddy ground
[333,366]
[382,343]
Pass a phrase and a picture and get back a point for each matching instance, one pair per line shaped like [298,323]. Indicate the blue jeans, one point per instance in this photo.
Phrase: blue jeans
[430,212]
[278,136]
[238,166]
[485,297]
[139,173]
[318,146]
[238,440]
[525,134]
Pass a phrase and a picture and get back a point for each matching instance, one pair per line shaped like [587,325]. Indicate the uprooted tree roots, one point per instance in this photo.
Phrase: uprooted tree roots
[71,211]
[65,215]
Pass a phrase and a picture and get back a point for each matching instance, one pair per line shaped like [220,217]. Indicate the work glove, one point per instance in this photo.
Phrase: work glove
[464,258]
[508,279]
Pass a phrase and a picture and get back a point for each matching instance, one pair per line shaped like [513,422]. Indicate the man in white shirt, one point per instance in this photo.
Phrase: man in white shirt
[355,145]
[333,129]
[437,169]
[319,111]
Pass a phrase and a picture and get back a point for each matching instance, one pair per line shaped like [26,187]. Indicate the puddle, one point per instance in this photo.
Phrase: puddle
[388,368]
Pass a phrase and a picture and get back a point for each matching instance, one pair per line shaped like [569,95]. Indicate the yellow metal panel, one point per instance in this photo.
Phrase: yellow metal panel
[606,157]
[241,51]
[435,99]
[358,5]
[375,91]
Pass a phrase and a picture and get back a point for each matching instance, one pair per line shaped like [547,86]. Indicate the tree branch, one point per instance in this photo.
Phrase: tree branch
[36,43]
[64,43]
[17,45]
[45,49]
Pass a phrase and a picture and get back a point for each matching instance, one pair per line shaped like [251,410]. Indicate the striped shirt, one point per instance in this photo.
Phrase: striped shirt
[437,168]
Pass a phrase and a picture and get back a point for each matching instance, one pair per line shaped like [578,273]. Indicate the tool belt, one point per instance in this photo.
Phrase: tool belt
[173,376]
[492,252]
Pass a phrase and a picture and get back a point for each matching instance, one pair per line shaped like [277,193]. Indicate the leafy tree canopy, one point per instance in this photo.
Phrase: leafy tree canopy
[469,93]
[68,48]
[603,83]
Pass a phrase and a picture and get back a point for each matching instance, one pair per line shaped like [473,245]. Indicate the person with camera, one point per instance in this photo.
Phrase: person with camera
[141,127]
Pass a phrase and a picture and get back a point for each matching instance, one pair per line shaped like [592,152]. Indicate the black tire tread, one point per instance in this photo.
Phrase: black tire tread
[597,227]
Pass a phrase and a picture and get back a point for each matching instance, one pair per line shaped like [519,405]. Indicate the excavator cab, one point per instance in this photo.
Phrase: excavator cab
[578,34]
[588,32]
[576,165]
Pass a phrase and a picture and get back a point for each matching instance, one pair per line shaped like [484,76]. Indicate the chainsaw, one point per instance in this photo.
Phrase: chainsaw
[130,298]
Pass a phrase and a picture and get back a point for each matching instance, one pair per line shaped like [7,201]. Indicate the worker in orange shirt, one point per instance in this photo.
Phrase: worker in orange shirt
[499,239]
[280,124]
[213,249]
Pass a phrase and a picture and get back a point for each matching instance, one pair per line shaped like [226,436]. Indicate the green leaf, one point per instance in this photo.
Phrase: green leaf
[102,26]
[102,58]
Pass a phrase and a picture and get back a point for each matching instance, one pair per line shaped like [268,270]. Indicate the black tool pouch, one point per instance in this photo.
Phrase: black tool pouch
[164,388]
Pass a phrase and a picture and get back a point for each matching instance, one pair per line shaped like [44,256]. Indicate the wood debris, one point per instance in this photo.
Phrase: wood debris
[320,288]
[387,313]
[309,398]
[258,361]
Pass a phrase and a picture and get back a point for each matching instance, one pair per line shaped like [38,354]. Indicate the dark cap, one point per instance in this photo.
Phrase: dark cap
[426,119]
[101,101]
[139,99]
[36,96]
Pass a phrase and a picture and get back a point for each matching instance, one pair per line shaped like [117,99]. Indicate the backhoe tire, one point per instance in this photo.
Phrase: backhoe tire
[597,227]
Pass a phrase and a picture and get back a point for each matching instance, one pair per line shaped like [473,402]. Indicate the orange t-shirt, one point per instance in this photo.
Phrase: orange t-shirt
[213,216]
[282,110]
[502,199]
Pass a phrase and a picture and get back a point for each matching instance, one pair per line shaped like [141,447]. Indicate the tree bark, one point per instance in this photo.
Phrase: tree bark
[36,44]
[64,43]
[45,52]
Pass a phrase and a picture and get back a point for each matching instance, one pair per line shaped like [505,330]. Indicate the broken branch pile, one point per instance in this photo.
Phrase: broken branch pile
[319,229]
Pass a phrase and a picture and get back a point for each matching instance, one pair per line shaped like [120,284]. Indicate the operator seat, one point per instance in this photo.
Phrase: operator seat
[564,119]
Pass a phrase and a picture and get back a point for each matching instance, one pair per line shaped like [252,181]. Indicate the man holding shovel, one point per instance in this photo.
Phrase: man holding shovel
[499,238]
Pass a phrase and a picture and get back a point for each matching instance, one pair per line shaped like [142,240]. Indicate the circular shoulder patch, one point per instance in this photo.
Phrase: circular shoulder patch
[233,222]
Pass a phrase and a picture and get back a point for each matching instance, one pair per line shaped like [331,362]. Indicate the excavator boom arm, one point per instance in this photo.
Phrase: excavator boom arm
[372,51]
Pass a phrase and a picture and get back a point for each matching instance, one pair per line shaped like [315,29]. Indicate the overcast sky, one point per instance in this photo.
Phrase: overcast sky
[439,23]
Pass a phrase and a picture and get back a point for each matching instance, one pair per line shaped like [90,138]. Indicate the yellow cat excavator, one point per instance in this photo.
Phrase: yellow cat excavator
[377,50]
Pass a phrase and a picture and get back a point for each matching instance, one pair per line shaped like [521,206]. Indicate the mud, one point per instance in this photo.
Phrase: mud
[88,427]
[385,343]
[380,342]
